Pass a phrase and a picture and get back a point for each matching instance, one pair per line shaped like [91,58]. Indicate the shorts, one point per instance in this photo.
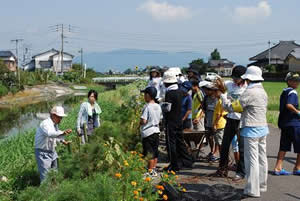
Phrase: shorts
[150,145]
[218,136]
[289,136]
[187,124]
[199,126]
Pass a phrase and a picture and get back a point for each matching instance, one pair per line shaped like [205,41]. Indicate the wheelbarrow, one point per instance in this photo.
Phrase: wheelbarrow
[194,140]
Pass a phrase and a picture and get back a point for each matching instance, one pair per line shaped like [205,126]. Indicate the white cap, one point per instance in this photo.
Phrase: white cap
[204,83]
[253,73]
[58,111]
[170,77]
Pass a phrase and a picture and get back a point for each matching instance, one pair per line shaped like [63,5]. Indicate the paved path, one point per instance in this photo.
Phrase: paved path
[283,188]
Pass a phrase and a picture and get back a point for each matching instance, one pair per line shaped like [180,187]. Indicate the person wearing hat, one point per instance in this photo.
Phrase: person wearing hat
[186,110]
[89,115]
[193,74]
[155,80]
[234,88]
[150,119]
[254,129]
[46,137]
[289,124]
[177,150]
[198,97]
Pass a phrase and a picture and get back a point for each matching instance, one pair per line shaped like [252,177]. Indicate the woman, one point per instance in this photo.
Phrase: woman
[254,130]
[88,115]
[156,82]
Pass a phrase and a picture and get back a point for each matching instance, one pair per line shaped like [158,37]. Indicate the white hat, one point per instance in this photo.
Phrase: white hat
[176,70]
[204,83]
[58,111]
[170,77]
[253,73]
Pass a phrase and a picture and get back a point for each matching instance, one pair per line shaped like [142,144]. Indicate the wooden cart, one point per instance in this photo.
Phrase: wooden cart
[194,140]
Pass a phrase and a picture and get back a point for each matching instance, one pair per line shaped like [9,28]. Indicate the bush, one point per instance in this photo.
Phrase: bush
[3,90]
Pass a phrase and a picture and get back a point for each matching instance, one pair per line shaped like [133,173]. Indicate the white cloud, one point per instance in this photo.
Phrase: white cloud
[164,11]
[252,14]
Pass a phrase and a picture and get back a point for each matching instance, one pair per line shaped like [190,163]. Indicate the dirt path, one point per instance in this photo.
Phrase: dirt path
[34,94]
[201,187]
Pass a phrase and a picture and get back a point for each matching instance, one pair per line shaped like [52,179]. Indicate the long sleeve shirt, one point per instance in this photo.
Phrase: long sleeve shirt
[47,135]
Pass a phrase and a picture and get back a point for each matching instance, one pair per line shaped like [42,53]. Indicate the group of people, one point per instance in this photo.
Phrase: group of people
[230,113]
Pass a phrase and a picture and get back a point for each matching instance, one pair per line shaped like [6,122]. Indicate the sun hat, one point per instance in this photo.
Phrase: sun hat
[238,71]
[253,73]
[170,77]
[291,76]
[192,70]
[154,69]
[186,86]
[58,111]
[151,91]
[211,86]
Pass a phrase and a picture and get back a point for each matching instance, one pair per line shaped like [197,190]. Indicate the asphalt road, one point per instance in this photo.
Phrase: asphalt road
[280,188]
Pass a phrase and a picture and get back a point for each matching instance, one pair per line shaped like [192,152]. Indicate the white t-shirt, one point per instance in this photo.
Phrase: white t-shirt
[153,114]
[234,92]
[158,84]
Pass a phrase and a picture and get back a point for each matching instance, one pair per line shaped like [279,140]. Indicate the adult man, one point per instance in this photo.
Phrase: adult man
[46,137]
[177,150]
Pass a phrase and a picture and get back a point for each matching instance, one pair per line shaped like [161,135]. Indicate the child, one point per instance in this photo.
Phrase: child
[150,119]
[289,124]
[209,105]
[155,81]
[186,110]
[197,112]
[219,120]
[254,129]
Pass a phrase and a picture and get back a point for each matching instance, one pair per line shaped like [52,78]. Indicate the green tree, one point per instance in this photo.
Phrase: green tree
[215,55]
[128,71]
[199,65]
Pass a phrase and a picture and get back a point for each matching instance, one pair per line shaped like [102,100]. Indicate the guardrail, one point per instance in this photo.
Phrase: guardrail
[118,79]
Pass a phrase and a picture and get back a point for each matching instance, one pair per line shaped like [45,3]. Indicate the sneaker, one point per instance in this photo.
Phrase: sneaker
[237,178]
[214,159]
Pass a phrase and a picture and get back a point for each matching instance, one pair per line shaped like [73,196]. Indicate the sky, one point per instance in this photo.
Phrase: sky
[238,28]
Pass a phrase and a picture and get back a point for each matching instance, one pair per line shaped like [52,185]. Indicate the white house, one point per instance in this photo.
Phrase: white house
[50,60]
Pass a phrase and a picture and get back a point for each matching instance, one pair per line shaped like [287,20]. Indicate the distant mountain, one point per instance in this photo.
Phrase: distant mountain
[123,59]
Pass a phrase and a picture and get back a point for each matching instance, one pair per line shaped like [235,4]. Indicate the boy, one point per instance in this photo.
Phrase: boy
[209,105]
[150,119]
[289,124]
[197,112]
[186,110]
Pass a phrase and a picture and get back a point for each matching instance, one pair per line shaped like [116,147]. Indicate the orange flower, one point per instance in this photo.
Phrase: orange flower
[160,192]
[135,192]
[136,197]
[148,179]
[160,187]
[176,177]
[118,175]
[133,183]
[141,155]
[166,176]
[165,197]
[141,199]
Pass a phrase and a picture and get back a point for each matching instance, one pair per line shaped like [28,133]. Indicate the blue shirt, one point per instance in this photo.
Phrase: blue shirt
[286,117]
[255,132]
[186,105]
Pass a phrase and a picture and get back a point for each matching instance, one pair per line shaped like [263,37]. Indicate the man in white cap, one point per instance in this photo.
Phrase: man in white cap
[46,137]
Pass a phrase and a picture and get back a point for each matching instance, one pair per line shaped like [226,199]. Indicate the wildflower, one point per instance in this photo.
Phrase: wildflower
[136,197]
[165,197]
[141,199]
[172,172]
[184,190]
[141,155]
[160,187]
[135,192]
[148,179]
[133,183]
[160,192]
[166,176]
[176,177]
[126,164]
[118,175]
[139,190]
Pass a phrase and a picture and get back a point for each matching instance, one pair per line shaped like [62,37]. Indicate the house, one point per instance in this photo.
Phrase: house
[50,60]
[222,66]
[278,55]
[9,59]
[293,60]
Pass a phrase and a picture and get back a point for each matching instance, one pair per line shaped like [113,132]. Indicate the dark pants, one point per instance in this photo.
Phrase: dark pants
[232,129]
[177,150]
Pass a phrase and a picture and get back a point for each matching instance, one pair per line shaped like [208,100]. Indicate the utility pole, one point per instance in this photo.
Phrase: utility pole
[81,59]
[18,69]
[269,52]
